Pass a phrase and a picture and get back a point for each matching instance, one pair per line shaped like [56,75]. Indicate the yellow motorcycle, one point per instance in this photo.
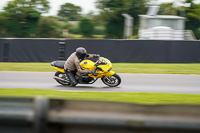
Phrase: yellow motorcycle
[102,69]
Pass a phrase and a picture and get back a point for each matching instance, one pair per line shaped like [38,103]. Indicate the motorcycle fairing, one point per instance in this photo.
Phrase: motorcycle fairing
[87,65]
[59,69]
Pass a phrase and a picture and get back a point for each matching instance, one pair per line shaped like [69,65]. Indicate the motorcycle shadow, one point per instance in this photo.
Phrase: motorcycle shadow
[86,87]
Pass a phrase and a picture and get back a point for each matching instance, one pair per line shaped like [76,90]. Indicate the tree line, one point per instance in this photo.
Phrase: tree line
[23,18]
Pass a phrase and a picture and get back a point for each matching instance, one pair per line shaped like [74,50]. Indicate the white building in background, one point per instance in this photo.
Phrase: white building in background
[162,27]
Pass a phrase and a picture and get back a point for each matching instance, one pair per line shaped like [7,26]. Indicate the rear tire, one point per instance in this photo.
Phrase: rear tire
[112,81]
[63,76]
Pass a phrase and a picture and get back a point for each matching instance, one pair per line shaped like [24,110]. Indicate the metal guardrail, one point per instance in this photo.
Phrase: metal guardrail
[23,115]
[42,115]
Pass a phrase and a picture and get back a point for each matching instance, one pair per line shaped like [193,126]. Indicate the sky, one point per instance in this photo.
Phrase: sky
[86,5]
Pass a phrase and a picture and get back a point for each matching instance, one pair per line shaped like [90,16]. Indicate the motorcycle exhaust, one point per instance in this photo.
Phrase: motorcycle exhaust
[58,78]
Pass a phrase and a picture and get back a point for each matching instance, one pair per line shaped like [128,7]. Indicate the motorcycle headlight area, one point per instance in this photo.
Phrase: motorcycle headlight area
[101,62]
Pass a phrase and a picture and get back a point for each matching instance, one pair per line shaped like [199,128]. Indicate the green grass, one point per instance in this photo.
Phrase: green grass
[34,67]
[157,68]
[146,68]
[144,98]
[78,36]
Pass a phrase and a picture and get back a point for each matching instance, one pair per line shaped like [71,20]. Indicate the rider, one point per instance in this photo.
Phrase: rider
[72,64]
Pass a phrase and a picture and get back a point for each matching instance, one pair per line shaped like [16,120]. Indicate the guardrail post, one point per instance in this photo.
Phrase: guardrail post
[41,106]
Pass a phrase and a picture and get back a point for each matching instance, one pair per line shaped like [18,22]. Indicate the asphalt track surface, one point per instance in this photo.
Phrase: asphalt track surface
[164,83]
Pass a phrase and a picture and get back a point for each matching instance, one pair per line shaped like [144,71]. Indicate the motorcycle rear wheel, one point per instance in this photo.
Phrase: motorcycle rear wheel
[112,81]
[63,76]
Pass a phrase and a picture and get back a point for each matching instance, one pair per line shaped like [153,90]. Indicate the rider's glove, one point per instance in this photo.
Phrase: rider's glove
[96,56]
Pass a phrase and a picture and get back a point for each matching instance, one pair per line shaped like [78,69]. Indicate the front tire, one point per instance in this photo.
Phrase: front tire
[63,76]
[112,81]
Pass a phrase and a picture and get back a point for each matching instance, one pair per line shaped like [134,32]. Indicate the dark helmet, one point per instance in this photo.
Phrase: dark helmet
[81,53]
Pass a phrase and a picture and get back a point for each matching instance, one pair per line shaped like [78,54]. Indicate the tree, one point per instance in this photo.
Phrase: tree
[167,9]
[23,16]
[17,6]
[26,9]
[86,27]
[99,27]
[49,27]
[69,11]
[112,11]
[193,19]
[4,26]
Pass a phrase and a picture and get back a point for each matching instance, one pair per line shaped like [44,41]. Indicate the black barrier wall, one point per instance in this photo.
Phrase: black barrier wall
[29,50]
[130,51]
[140,51]
[1,50]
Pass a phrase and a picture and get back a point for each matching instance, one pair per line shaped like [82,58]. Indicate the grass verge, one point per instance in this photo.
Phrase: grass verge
[133,97]
[78,36]
[146,68]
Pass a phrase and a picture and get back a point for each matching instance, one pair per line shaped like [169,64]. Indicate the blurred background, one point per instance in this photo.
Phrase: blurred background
[100,19]
[160,26]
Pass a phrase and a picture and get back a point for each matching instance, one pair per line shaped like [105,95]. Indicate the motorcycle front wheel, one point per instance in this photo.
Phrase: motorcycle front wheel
[112,81]
[62,76]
